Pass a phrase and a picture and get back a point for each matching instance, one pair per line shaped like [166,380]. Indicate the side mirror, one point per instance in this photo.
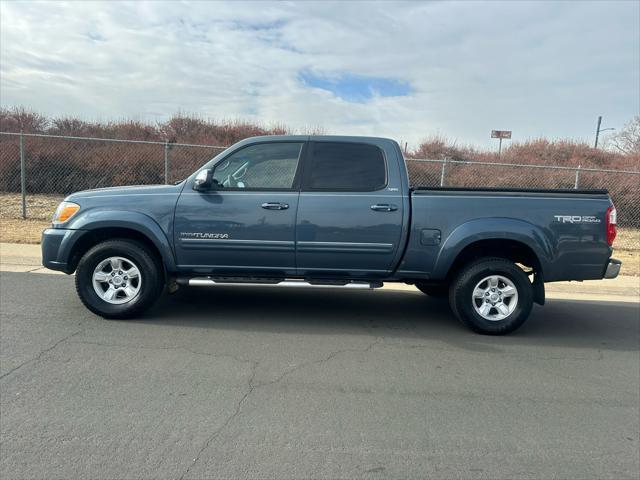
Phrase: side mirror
[203,180]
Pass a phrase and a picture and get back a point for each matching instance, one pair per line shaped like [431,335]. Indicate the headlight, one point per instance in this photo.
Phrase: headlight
[65,211]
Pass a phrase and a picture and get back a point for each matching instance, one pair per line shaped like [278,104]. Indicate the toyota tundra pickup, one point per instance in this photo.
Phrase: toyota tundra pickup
[330,212]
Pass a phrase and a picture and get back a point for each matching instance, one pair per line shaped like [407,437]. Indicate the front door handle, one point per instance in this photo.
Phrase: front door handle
[275,206]
[384,207]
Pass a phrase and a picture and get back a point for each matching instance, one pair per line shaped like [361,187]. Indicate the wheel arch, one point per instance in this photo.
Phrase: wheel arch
[514,250]
[131,225]
[513,239]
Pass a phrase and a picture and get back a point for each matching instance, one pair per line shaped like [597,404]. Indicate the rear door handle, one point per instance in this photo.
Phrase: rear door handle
[384,207]
[275,206]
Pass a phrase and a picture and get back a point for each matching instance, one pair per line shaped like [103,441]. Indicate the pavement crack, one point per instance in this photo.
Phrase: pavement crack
[326,359]
[39,355]
[250,388]
[250,385]
[177,348]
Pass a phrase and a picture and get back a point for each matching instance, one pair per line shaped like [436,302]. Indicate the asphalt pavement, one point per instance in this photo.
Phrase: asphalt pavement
[275,383]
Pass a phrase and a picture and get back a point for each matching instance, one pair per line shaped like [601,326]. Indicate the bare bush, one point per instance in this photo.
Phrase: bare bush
[627,140]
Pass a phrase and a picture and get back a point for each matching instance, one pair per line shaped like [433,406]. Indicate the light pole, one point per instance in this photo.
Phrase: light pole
[598,130]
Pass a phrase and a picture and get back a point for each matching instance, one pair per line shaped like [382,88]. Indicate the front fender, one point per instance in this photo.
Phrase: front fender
[493,229]
[94,219]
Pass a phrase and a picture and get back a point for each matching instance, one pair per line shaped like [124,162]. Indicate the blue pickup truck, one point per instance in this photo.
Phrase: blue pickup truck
[330,212]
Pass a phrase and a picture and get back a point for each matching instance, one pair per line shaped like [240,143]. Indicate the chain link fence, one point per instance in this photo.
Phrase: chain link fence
[37,170]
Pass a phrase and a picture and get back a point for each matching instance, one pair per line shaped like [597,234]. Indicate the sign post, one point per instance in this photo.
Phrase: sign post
[500,134]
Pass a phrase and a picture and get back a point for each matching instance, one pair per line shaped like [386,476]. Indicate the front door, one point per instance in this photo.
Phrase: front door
[350,213]
[246,222]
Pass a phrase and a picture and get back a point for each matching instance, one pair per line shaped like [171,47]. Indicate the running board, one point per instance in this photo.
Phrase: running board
[211,282]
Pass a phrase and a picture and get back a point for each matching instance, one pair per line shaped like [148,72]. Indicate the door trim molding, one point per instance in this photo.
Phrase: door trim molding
[345,247]
[226,244]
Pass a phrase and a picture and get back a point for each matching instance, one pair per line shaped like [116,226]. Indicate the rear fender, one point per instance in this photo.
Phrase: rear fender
[493,229]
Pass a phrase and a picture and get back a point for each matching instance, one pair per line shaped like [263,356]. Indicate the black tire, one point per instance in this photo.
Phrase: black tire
[440,292]
[462,302]
[151,275]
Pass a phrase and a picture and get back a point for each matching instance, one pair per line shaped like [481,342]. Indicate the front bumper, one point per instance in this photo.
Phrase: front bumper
[613,268]
[57,244]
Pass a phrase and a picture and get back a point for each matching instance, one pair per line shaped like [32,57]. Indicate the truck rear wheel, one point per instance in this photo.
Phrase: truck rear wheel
[119,279]
[491,296]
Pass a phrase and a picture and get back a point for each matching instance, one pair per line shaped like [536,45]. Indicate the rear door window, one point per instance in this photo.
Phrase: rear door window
[342,166]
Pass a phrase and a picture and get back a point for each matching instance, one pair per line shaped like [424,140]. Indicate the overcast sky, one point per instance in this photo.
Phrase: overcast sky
[403,70]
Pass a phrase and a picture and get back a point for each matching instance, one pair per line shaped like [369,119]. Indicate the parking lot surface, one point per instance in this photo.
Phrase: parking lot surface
[275,383]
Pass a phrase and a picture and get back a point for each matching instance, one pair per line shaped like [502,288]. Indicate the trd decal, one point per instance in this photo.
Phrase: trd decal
[576,219]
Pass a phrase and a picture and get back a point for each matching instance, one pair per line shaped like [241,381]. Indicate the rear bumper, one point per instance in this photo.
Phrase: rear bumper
[613,268]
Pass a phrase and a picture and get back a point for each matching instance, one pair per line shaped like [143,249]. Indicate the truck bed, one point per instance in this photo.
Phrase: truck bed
[565,228]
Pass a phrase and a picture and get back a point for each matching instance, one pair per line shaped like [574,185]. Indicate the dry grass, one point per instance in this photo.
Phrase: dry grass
[629,237]
[22,231]
[14,229]
[630,261]
[39,207]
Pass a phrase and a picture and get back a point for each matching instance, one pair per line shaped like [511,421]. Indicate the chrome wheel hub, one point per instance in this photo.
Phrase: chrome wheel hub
[495,297]
[117,280]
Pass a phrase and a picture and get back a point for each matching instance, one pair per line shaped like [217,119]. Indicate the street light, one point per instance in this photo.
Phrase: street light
[598,130]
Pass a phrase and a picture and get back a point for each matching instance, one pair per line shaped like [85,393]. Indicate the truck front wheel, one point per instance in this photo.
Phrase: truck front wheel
[491,296]
[119,279]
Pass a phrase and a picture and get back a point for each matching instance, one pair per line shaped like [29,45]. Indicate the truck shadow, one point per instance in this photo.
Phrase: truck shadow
[393,313]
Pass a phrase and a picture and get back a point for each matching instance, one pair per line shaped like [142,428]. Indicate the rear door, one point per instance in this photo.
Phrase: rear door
[247,222]
[350,211]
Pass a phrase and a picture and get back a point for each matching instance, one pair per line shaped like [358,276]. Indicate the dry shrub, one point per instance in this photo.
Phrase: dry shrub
[61,166]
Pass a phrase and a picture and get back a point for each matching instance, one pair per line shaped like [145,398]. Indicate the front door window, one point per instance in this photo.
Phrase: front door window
[267,166]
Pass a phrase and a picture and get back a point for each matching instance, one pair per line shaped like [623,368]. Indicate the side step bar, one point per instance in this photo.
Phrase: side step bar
[211,282]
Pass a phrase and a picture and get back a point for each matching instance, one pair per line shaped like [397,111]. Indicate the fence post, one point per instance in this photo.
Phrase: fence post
[575,186]
[442,172]
[23,177]
[166,162]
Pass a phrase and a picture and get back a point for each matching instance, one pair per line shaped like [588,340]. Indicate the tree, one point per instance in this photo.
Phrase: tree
[627,140]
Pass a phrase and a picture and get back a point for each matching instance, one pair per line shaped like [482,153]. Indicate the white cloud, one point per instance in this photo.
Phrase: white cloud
[539,68]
